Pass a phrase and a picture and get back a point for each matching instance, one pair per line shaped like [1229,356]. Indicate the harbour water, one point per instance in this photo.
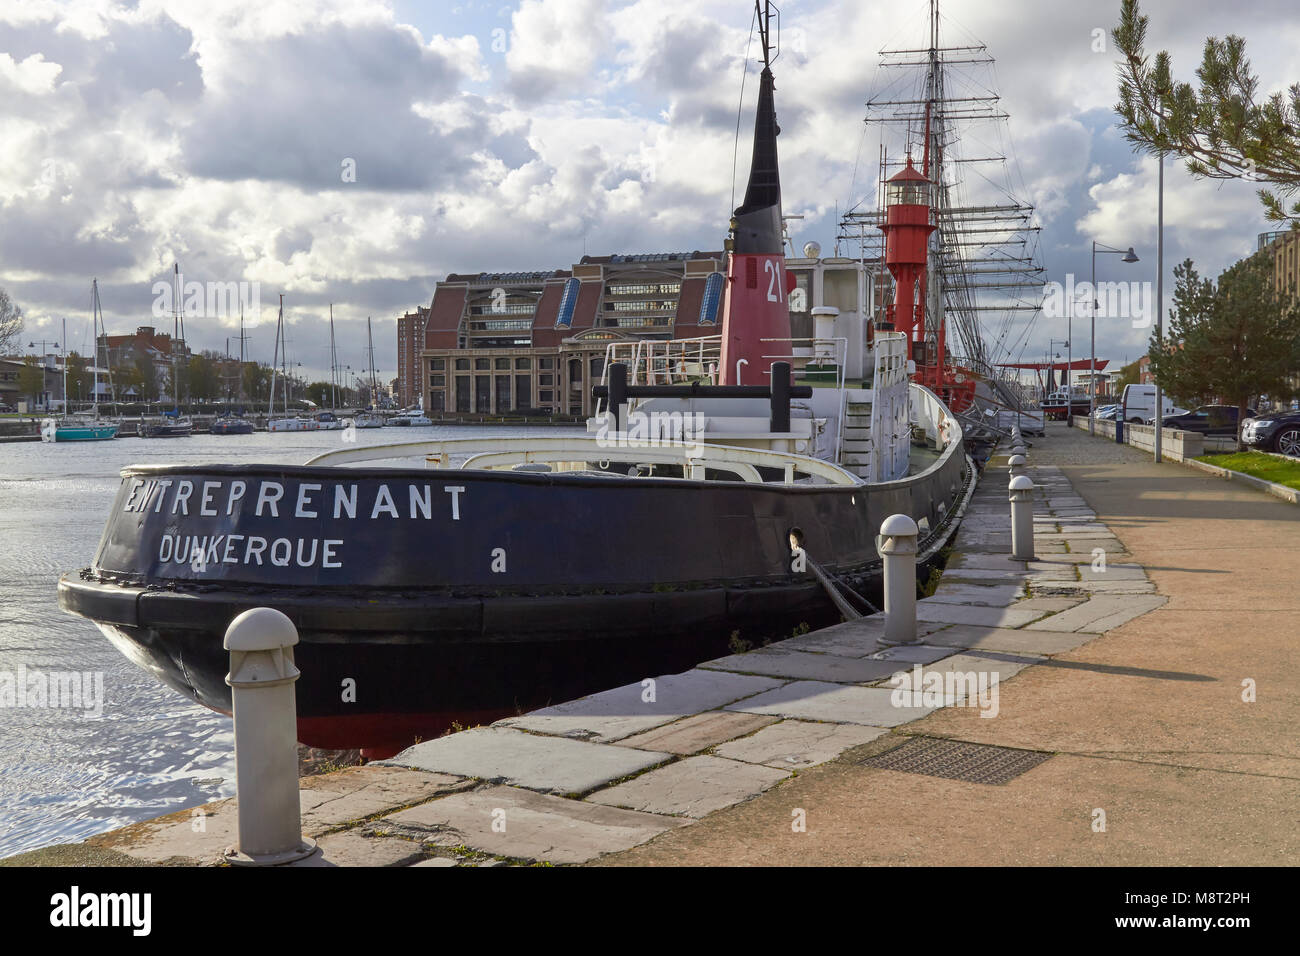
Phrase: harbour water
[143,750]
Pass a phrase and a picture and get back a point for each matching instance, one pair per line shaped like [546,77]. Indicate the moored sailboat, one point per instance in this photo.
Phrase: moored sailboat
[173,424]
[287,422]
[72,428]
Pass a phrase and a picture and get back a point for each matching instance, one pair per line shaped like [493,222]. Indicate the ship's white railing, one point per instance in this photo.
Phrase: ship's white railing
[693,457]
[839,355]
[683,361]
[667,361]
[664,362]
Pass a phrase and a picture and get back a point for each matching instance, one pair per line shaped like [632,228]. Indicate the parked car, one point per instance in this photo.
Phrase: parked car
[1106,413]
[1208,420]
[1273,431]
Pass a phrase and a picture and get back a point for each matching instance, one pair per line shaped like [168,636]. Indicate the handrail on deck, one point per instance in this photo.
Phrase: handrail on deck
[595,448]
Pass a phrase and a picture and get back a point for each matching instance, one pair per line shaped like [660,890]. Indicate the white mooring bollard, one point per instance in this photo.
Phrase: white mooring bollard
[1021,493]
[261,678]
[1017,465]
[898,547]
[1019,449]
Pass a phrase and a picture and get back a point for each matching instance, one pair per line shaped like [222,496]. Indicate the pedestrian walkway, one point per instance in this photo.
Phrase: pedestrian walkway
[1169,739]
[1055,710]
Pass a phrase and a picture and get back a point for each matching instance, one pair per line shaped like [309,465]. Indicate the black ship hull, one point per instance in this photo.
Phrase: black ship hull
[427,598]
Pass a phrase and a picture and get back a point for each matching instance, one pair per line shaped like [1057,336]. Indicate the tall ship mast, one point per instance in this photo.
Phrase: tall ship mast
[935,107]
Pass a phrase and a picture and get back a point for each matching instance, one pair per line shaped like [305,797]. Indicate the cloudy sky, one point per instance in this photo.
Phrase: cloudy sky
[356,151]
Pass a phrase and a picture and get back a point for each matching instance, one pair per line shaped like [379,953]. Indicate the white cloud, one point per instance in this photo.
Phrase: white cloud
[212,133]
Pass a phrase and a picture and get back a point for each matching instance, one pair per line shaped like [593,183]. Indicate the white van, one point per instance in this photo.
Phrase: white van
[1139,404]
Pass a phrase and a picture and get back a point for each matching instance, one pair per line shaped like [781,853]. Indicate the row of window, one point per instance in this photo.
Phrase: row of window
[501,325]
[484,364]
[642,305]
[505,308]
[642,288]
[475,393]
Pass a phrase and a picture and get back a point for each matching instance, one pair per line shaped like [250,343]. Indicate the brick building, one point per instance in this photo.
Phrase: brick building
[410,338]
[504,342]
[497,343]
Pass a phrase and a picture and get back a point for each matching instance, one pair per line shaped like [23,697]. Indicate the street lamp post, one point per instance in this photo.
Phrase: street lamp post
[1160,299]
[1129,256]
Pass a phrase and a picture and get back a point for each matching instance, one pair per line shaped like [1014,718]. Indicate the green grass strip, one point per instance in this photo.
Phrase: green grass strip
[1278,470]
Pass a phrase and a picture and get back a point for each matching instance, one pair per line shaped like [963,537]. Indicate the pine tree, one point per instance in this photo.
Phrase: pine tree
[1221,127]
[1234,340]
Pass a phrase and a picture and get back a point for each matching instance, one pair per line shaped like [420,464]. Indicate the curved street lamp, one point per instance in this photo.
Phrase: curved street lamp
[1129,256]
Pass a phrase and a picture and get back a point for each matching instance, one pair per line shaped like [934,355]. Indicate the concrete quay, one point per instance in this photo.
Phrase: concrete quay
[1107,674]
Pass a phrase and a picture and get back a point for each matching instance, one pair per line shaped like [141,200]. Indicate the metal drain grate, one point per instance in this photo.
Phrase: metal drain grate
[956,760]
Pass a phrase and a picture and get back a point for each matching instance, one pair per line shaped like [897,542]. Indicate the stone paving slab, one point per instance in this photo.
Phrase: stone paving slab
[337,799]
[1079,555]
[778,661]
[994,667]
[328,802]
[623,711]
[1101,613]
[700,732]
[1023,640]
[914,653]
[1117,569]
[1101,534]
[1049,605]
[796,744]
[814,700]
[981,574]
[928,609]
[532,761]
[1093,587]
[988,595]
[507,821]
[693,787]
[1063,572]
[852,638]
[1112,572]
[351,848]
[973,561]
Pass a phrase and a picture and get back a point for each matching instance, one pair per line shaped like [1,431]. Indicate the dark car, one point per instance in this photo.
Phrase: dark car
[1274,431]
[1208,420]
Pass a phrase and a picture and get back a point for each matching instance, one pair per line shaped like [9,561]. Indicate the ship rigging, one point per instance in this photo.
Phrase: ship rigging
[982,285]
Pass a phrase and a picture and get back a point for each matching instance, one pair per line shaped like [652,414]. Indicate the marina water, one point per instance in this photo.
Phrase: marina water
[143,750]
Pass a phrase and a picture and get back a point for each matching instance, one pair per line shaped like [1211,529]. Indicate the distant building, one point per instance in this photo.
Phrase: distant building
[50,397]
[1144,371]
[410,342]
[1283,249]
[124,351]
[497,343]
